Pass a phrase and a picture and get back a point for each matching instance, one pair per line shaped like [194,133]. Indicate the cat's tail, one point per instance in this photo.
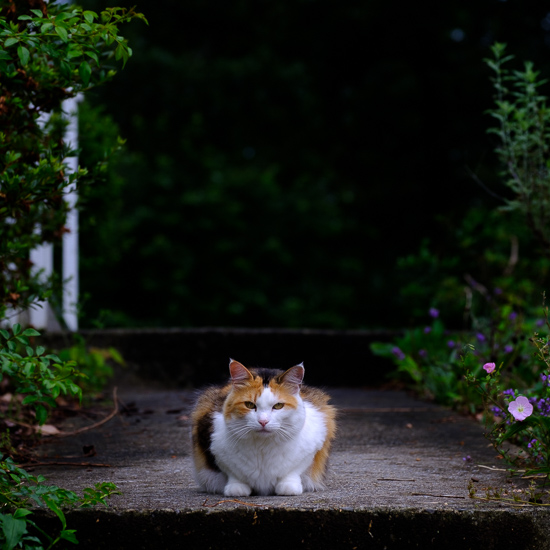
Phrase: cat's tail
[309,484]
[210,480]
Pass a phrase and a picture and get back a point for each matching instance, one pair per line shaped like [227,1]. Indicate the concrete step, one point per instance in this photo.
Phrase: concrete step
[398,479]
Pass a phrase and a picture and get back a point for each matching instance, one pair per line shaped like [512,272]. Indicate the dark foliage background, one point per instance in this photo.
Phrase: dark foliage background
[300,163]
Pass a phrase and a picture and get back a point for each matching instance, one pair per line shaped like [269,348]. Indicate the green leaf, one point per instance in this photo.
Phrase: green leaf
[41,414]
[116,356]
[38,13]
[13,530]
[30,332]
[121,53]
[89,16]
[518,426]
[62,33]
[93,55]
[30,399]
[23,54]
[21,513]
[16,329]
[5,334]
[72,53]
[10,42]
[85,72]
[52,505]
[69,534]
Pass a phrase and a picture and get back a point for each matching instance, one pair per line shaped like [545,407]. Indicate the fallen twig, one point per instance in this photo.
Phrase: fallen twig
[97,424]
[493,469]
[81,464]
[437,496]
[392,479]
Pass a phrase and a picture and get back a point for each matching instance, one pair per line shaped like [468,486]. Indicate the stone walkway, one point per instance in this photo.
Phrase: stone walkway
[398,479]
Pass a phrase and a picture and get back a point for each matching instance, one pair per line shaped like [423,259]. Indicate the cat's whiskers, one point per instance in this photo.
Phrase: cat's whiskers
[286,434]
[239,431]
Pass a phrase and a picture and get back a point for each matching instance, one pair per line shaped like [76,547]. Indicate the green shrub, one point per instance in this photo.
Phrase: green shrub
[20,491]
[46,55]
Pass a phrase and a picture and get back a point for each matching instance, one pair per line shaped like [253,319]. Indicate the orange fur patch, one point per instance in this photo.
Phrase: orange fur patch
[239,395]
[320,400]
[281,391]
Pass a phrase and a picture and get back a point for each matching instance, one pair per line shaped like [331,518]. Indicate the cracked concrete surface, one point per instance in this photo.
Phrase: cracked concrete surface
[398,478]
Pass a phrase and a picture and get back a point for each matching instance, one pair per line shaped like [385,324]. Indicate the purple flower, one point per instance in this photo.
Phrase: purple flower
[510,393]
[434,312]
[451,344]
[467,458]
[480,337]
[540,322]
[512,315]
[422,353]
[532,443]
[427,330]
[398,353]
[508,348]
[489,367]
[543,405]
[520,409]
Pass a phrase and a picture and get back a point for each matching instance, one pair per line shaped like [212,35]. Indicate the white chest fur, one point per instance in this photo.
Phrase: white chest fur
[268,450]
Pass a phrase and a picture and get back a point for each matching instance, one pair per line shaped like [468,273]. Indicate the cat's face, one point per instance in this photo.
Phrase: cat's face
[264,405]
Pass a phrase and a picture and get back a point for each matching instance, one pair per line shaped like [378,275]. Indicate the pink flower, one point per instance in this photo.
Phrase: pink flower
[489,367]
[520,409]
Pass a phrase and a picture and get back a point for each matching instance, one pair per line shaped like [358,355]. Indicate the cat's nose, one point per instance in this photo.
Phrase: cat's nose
[263,422]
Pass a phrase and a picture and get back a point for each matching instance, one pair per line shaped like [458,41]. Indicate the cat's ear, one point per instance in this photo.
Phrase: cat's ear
[294,377]
[239,373]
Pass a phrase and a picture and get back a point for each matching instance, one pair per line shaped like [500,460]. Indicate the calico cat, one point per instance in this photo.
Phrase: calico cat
[263,433]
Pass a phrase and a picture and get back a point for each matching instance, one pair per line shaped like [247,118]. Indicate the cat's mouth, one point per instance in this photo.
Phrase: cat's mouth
[264,430]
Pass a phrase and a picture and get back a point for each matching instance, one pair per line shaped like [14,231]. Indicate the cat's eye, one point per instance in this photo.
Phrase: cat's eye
[278,406]
[249,405]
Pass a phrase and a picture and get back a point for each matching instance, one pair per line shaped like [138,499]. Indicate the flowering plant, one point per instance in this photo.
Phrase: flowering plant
[518,424]
[428,360]
[431,359]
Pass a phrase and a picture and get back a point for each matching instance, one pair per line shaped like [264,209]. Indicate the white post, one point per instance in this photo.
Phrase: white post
[42,259]
[70,238]
[42,256]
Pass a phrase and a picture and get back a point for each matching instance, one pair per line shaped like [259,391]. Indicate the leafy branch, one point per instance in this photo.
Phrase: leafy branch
[41,377]
[524,147]
[48,53]
[20,490]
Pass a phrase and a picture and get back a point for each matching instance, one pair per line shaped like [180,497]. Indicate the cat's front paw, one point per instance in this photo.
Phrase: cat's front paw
[237,489]
[289,488]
